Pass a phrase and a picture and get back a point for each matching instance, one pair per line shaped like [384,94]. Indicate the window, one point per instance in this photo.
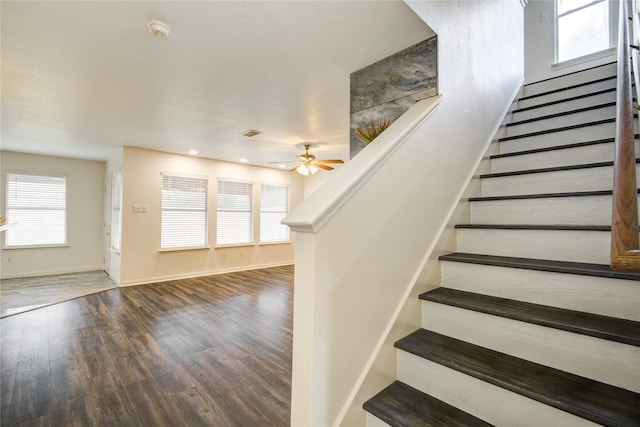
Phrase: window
[583,27]
[38,204]
[116,210]
[234,213]
[274,205]
[184,211]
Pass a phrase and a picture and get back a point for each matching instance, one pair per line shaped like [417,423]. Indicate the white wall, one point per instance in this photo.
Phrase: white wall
[141,260]
[85,189]
[353,274]
[540,48]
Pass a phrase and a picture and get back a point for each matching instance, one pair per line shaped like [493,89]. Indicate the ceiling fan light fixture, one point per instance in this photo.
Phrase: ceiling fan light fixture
[306,170]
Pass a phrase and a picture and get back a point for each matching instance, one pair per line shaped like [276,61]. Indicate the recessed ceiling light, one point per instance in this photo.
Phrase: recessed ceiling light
[193,152]
[159,29]
[282,166]
[244,160]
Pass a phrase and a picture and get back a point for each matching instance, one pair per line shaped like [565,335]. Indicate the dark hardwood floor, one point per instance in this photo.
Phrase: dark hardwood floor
[210,351]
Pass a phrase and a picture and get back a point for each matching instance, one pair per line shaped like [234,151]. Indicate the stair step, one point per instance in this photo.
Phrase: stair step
[599,129]
[562,119]
[565,104]
[589,399]
[550,169]
[555,147]
[584,291]
[400,405]
[552,343]
[560,82]
[563,245]
[532,92]
[580,207]
[557,129]
[608,328]
[563,93]
[581,268]
[582,177]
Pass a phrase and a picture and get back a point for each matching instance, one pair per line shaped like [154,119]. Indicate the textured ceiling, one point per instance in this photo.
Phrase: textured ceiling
[79,78]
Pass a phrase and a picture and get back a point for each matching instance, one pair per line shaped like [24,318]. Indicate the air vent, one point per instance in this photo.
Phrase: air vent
[251,132]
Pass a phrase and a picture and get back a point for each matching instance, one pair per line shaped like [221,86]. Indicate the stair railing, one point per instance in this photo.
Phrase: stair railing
[625,241]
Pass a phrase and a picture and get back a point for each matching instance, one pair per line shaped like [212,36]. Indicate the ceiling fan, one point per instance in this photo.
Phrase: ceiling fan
[310,165]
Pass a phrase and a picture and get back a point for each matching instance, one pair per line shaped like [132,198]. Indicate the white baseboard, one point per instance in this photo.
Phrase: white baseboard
[159,279]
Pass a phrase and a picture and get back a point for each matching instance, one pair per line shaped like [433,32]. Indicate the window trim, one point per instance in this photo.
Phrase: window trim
[116,177]
[613,26]
[5,246]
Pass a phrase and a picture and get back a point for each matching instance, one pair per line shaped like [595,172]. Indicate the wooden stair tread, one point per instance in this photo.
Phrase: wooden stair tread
[594,325]
[400,405]
[585,269]
[570,227]
[551,169]
[560,114]
[543,195]
[592,400]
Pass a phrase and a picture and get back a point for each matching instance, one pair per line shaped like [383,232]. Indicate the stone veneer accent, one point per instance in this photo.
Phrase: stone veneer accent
[387,88]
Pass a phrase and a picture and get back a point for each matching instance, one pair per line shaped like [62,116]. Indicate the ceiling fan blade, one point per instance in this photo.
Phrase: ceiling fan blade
[322,166]
[330,161]
[294,168]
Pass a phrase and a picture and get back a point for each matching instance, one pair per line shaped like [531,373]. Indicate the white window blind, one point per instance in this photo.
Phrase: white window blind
[38,204]
[234,213]
[116,210]
[274,205]
[184,211]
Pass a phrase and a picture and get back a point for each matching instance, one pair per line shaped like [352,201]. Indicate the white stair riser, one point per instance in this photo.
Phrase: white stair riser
[601,360]
[587,101]
[588,179]
[560,245]
[598,295]
[554,139]
[544,211]
[479,398]
[561,121]
[373,421]
[565,157]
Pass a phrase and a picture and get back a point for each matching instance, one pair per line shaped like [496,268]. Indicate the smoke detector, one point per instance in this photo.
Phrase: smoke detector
[159,29]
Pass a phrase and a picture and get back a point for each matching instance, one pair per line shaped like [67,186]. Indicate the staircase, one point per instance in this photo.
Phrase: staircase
[529,326]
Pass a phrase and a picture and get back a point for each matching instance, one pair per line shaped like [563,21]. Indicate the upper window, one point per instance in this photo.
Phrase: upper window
[116,210]
[184,211]
[274,205]
[38,204]
[583,27]
[234,213]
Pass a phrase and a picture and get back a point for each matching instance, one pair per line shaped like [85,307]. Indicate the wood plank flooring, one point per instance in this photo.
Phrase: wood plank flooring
[210,351]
